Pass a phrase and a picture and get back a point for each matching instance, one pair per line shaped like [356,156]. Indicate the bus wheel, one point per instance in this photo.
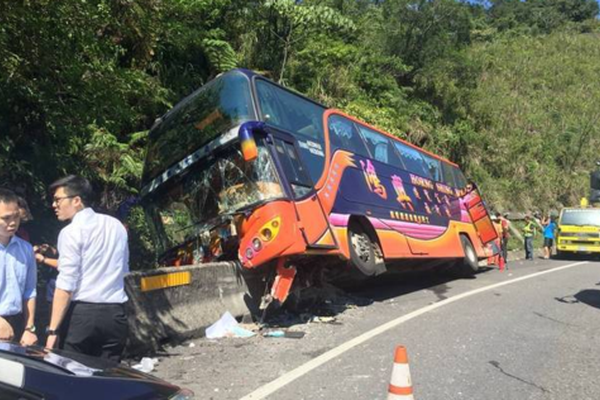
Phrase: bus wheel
[362,249]
[470,264]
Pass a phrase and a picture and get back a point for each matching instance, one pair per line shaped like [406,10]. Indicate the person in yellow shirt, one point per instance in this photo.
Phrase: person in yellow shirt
[529,231]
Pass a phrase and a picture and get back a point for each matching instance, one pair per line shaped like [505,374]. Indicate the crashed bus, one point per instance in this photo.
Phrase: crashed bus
[246,170]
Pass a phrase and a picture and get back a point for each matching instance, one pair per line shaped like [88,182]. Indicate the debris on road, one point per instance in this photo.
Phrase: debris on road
[284,334]
[227,326]
[146,364]
[324,320]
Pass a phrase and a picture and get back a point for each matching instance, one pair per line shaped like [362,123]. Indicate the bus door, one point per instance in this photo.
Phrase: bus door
[313,221]
[479,215]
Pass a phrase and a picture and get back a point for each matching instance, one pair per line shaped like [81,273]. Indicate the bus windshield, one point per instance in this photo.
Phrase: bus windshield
[207,113]
[220,186]
[582,217]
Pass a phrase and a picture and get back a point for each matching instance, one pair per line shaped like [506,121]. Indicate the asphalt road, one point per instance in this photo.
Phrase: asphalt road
[526,333]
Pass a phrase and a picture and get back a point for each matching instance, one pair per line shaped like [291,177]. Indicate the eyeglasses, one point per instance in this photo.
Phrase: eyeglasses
[57,200]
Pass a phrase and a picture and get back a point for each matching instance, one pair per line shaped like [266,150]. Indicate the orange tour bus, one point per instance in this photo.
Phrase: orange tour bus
[244,169]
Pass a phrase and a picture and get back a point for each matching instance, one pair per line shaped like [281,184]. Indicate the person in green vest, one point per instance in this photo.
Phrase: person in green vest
[529,232]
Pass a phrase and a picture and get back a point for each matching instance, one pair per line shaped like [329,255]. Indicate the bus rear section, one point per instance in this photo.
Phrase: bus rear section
[578,231]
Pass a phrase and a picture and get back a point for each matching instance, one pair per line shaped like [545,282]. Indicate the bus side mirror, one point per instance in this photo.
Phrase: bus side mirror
[247,142]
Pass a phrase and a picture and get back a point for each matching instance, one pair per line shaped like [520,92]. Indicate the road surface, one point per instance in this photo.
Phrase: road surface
[527,333]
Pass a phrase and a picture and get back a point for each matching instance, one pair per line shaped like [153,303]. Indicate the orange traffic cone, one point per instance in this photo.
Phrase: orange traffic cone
[400,384]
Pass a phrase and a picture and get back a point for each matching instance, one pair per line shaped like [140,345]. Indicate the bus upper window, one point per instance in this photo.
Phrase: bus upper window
[380,147]
[343,135]
[289,111]
[298,116]
[209,112]
[412,159]
[434,167]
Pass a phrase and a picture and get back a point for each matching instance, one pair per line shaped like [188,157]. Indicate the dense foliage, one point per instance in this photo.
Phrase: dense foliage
[506,88]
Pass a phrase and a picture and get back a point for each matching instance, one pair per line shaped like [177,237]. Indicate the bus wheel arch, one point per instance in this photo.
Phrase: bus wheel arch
[364,247]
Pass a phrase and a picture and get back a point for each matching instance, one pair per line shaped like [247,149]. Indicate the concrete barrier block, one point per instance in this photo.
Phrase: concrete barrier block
[179,312]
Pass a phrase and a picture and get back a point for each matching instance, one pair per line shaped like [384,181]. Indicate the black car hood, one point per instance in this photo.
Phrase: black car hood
[73,363]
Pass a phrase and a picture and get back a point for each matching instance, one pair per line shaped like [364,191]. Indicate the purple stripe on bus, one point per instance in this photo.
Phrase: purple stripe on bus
[339,219]
[415,230]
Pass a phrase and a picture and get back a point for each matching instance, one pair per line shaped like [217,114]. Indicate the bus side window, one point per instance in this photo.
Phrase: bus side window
[293,169]
[459,178]
[433,166]
[343,135]
[447,175]
[412,159]
[380,147]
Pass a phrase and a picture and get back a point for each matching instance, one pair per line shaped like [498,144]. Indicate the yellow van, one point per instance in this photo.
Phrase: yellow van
[578,231]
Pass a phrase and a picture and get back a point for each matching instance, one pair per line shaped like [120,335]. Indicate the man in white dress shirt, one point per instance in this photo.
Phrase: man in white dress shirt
[88,311]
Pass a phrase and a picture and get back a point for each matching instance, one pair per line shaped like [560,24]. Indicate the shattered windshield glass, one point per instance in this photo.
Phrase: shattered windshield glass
[215,188]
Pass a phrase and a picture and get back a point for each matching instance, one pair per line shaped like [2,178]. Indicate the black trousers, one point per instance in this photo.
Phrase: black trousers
[17,323]
[95,329]
[505,249]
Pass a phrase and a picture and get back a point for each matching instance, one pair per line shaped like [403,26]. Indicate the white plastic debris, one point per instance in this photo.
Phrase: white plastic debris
[227,326]
[220,328]
[192,344]
[146,364]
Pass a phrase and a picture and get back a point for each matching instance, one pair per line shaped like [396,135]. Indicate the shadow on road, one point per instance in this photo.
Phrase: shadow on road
[591,297]
[397,284]
[325,301]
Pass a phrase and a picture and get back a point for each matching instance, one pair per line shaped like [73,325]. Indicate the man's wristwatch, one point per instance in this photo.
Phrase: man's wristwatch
[51,332]
[30,328]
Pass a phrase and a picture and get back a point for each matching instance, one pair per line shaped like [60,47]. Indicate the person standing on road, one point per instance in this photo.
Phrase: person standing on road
[505,223]
[529,231]
[549,233]
[18,276]
[88,310]
[497,244]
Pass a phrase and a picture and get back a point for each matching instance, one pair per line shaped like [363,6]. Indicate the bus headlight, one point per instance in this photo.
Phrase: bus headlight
[256,244]
[266,234]
[270,230]
[249,253]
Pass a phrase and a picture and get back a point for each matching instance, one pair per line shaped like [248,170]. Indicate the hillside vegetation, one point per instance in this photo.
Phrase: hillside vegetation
[508,89]
[537,117]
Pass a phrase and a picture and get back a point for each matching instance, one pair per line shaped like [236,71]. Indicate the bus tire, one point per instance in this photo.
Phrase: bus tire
[363,249]
[469,265]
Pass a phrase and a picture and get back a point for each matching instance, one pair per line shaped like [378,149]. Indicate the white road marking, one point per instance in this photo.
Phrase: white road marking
[298,372]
